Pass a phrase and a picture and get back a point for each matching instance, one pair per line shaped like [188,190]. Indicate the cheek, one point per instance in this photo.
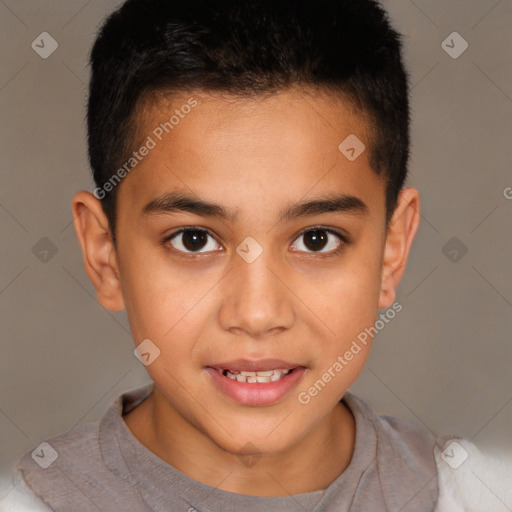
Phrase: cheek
[165,316]
[161,301]
[348,296]
[347,303]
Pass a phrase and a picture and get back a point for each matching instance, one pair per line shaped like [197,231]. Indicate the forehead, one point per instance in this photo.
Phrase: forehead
[267,148]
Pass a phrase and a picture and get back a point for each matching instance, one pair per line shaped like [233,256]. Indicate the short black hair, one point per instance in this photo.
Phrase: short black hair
[247,48]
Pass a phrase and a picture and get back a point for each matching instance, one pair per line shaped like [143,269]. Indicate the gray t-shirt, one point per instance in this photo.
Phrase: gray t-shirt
[102,466]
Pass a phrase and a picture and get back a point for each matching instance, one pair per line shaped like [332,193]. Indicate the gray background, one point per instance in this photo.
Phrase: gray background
[444,362]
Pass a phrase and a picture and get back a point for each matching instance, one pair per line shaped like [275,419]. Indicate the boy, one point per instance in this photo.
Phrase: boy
[250,215]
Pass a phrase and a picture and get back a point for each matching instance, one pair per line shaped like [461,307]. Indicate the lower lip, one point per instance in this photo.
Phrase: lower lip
[265,393]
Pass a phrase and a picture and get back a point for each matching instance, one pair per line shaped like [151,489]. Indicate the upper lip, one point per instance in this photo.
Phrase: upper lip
[260,365]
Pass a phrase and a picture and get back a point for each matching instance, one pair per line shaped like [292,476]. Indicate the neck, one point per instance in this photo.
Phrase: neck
[309,465]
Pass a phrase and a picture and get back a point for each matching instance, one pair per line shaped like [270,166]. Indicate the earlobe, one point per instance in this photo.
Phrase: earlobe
[98,251]
[400,235]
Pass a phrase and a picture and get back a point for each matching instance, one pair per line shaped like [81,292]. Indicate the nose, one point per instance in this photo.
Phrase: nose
[256,300]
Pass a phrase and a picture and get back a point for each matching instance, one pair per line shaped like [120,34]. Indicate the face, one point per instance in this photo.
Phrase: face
[250,252]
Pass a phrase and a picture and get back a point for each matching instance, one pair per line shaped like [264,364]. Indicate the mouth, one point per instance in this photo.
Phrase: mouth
[259,377]
[256,383]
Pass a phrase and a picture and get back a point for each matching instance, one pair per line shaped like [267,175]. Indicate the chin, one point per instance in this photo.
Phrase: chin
[254,442]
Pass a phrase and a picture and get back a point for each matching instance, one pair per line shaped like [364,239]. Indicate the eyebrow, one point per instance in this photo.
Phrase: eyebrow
[181,202]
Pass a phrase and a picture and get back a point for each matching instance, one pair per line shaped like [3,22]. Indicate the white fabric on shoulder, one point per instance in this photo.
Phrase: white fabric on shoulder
[22,499]
[469,480]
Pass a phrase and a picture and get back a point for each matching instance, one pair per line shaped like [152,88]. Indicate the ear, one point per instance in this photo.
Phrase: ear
[98,251]
[401,231]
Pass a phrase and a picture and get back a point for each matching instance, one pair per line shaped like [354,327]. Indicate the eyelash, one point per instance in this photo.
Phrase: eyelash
[343,239]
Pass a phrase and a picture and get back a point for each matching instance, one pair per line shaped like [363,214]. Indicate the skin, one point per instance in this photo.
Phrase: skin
[255,157]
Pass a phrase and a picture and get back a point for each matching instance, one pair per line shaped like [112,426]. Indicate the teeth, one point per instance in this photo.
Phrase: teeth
[255,377]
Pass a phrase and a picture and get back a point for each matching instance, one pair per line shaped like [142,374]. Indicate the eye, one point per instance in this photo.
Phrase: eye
[318,239]
[193,240]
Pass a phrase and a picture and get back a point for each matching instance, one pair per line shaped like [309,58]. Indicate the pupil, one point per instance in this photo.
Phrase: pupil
[315,240]
[194,240]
